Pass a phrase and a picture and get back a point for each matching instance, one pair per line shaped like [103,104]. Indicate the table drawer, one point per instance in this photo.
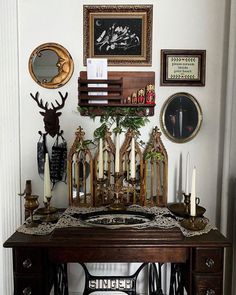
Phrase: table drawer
[207,285]
[28,260]
[208,260]
[29,286]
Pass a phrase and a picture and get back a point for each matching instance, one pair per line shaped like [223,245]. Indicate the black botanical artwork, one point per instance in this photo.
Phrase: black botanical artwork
[117,36]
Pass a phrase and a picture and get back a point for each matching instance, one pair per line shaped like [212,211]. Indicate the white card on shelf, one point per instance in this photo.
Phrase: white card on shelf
[97,69]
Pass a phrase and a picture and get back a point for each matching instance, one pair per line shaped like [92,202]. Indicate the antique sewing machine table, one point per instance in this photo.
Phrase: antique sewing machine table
[36,258]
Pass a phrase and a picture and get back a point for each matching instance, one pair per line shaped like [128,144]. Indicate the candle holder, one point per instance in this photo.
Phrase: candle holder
[132,182]
[187,203]
[194,223]
[47,209]
[117,205]
[48,212]
[27,192]
[183,209]
[31,203]
[100,182]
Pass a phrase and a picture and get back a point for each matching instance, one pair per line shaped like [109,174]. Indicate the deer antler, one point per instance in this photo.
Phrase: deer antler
[60,106]
[40,103]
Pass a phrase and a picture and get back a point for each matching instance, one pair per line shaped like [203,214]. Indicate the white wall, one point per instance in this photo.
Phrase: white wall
[187,24]
[176,24]
[9,138]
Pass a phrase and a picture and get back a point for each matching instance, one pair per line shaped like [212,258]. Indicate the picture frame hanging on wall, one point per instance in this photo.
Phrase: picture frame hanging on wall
[183,67]
[120,33]
[181,117]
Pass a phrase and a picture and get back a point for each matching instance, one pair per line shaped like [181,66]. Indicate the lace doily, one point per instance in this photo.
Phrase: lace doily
[163,218]
[43,228]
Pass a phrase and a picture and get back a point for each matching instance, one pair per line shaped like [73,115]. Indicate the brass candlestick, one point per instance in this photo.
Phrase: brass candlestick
[199,210]
[194,223]
[47,205]
[187,203]
[48,211]
[117,205]
[132,181]
[100,189]
[27,192]
[31,203]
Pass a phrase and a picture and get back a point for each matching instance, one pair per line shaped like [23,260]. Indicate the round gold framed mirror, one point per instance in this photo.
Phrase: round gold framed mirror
[181,117]
[51,65]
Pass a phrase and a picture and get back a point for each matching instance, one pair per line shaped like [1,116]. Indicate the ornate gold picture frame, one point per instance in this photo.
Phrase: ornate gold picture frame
[120,33]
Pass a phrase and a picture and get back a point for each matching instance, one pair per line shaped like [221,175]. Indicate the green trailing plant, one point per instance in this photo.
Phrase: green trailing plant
[100,131]
[112,111]
[153,155]
[120,122]
[83,145]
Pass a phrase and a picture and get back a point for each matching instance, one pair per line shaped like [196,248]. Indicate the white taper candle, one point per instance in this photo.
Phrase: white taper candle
[193,194]
[100,159]
[47,181]
[187,174]
[132,159]
[105,157]
[117,157]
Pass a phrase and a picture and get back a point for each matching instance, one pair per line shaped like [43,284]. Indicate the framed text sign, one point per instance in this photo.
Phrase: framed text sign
[183,67]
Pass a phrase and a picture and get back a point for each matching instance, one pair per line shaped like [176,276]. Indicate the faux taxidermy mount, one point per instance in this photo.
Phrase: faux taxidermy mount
[51,116]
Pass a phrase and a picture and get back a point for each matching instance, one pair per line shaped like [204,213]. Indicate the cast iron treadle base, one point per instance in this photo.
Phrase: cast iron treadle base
[60,280]
[126,284]
[154,278]
[176,279]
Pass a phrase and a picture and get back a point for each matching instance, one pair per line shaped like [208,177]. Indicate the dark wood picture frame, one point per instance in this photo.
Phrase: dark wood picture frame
[183,67]
[120,33]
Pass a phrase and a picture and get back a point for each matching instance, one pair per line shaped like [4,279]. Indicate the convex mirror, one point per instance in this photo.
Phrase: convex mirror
[181,117]
[51,65]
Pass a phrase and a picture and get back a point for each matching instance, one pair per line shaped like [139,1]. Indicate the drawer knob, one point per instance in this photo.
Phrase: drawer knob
[209,262]
[210,292]
[27,291]
[27,263]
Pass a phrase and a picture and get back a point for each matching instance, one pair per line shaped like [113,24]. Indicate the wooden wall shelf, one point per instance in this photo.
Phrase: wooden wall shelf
[118,87]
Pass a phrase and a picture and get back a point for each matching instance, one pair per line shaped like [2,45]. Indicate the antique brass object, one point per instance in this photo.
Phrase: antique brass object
[51,65]
[117,205]
[194,223]
[181,210]
[27,192]
[31,203]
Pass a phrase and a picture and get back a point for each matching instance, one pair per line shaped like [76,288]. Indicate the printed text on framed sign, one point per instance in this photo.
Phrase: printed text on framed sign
[183,67]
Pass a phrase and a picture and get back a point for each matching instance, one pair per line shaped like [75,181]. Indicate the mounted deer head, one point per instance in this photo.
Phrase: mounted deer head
[51,116]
